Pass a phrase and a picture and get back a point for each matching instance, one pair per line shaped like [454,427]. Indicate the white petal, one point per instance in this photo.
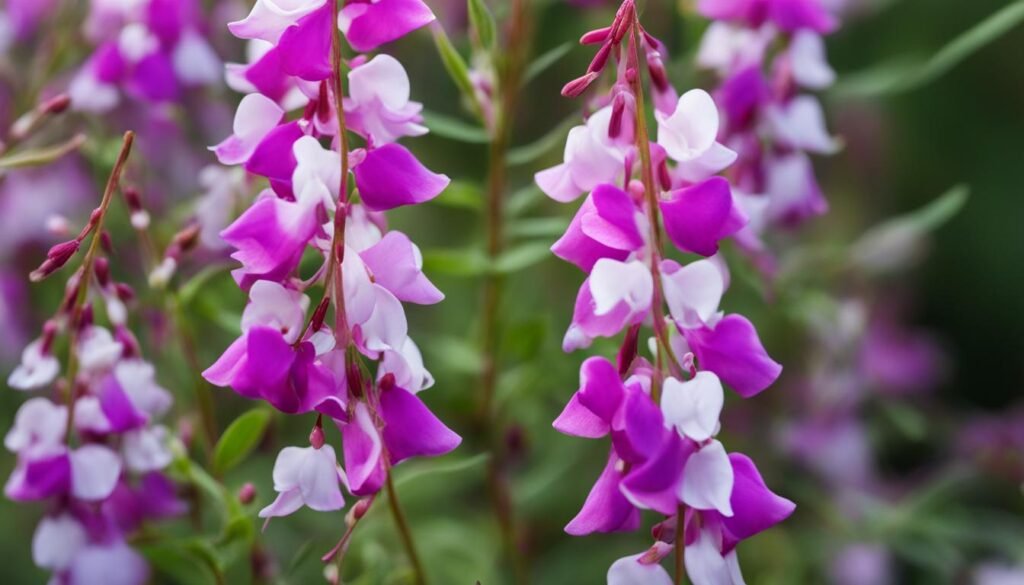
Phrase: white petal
[693,292]
[147,449]
[810,67]
[708,480]
[195,61]
[318,480]
[35,370]
[382,78]
[38,421]
[272,305]
[628,571]
[94,472]
[692,129]
[288,467]
[694,406]
[98,350]
[387,327]
[612,282]
[705,564]
[801,124]
[56,542]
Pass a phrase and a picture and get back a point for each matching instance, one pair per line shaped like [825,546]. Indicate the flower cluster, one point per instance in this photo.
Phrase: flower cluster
[662,418]
[96,455]
[301,364]
[766,53]
[152,50]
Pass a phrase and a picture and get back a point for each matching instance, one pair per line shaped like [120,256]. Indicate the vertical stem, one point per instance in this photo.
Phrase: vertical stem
[404,532]
[510,80]
[643,145]
[333,280]
[86,272]
[204,398]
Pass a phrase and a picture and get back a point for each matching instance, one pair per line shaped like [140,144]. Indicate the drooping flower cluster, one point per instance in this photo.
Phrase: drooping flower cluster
[662,417]
[768,53]
[90,444]
[307,364]
[151,50]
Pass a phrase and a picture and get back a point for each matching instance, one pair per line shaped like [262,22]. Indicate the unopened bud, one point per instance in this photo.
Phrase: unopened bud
[102,269]
[187,238]
[659,77]
[622,22]
[577,86]
[627,353]
[600,59]
[595,36]
[124,292]
[106,242]
[246,493]
[163,273]
[55,105]
[320,314]
[316,436]
[361,508]
[664,177]
[618,109]
[631,74]
[56,258]
[387,382]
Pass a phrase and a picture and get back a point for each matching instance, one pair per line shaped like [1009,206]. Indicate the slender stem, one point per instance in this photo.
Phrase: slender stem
[85,275]
[204,397]
[510,80]
[404,532]
[643,145]
[333,281]
[680,545]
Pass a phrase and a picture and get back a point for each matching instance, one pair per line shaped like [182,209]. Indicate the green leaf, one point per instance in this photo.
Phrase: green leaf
[904,75]
[455,262]
[457,69]
[909,421]
[482,23]
[456,354]
[553,139]
[545,61]
[178,560]
[239,439]
[41,156]
[524,200]
[462,195]
[894,243]
[455,129]
[538,227]
[411,474]
[188,291]
[522,256]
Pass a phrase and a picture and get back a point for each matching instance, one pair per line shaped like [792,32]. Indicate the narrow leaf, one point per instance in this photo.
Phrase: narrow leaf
[454,128]
[455,262]
[460,194]
[521,257]
[412,474]
[555,138]
[545,61]
[457,69]
[42,156]
[895,242]
[538,227]
[482,22]
[903,76]
[239,439]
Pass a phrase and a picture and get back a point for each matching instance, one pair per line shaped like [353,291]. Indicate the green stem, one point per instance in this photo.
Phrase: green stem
[510,81]
[85,276]
[680,545]
[404,532]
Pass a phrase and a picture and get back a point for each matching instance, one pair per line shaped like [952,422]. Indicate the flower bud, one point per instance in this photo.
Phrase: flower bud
[316,436]
[56,258]
[102,270]
[55,105]
[577,86]
[246,493]
[320,313]
[600,59]
[595,36]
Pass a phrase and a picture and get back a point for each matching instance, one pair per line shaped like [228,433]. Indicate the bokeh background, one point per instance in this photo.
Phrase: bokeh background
[897,425]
